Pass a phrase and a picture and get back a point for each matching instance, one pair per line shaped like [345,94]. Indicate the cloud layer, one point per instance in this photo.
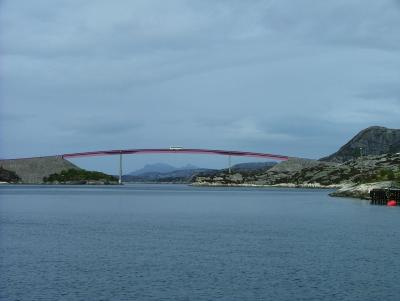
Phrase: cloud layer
[290,77]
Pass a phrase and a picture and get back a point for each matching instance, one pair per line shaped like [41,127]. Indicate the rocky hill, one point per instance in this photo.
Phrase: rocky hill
[355,173]
[279,173]
[374,140]
[313,173]
[380,161]
[361,170]
[33,170]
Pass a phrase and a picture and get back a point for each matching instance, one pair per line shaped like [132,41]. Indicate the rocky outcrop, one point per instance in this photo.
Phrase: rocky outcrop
[279,173]
[374,140]
[362,191]
[33,170]
[312,173]
[285,172]
[378,165]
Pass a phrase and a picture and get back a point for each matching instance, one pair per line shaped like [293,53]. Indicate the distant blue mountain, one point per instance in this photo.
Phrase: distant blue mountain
[164,173]
[161,168]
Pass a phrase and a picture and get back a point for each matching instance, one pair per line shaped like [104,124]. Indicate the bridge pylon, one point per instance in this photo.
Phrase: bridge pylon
[120,169]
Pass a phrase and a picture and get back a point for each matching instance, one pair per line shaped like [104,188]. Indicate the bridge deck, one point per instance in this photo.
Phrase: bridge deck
[176,151]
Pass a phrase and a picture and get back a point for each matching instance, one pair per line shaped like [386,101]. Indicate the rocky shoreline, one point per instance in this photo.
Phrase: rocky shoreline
[348,190]
[354,178]
[280,185]
[361,191]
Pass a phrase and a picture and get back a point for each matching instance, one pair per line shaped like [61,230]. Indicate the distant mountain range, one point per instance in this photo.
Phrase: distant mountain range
[160,168]
[161,173]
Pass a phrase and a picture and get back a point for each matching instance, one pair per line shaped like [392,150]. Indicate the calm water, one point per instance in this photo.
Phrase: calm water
[172,242]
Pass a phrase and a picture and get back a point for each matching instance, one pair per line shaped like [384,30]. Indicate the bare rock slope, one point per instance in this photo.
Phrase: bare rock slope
[33,170]
[372,141]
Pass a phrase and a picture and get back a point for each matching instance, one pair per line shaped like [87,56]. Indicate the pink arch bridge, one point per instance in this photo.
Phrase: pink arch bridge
[173,150]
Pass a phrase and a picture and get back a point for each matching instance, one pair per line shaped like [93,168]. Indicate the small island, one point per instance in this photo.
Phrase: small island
[80,176]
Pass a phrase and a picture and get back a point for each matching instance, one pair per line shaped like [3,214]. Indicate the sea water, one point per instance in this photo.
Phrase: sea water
[176,242]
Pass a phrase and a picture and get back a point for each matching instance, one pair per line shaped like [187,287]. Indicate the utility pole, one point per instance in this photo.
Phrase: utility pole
[361,164]
[120,168]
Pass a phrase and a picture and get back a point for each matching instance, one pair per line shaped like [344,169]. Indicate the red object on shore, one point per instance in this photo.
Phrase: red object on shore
[392,203]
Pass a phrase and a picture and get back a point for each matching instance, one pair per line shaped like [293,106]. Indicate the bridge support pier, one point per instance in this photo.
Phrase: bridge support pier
[120,169]
[229,164]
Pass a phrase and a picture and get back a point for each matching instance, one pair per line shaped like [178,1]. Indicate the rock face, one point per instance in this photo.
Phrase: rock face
[33,170]
[373,141]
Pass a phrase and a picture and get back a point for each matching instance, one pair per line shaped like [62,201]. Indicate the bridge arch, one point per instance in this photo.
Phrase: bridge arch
[172,150]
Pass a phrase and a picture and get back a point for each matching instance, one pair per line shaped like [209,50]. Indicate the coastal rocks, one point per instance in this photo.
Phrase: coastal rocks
[306,185]
[371,157]
[382,171]
[284,172]
[303,172]
[223,179]
[361,191]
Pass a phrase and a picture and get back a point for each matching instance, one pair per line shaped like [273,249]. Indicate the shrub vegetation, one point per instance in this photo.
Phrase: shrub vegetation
[78,175]
[8,176]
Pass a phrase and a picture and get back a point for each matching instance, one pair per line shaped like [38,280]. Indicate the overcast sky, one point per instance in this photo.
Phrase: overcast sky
[292,77]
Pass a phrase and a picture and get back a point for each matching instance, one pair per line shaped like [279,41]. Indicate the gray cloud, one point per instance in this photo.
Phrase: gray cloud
[95,126]
[267,75]
[385,91]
